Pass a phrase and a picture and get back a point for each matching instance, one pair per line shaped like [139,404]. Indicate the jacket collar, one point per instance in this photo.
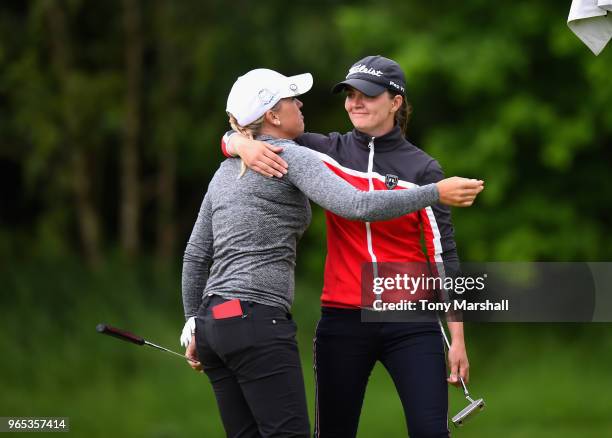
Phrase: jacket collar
[269,138]
[387,142]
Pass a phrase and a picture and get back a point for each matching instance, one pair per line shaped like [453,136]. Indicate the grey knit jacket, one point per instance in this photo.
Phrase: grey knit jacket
[243,244]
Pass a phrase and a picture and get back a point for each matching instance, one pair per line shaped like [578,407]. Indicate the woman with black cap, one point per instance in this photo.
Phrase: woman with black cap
[238,269]
[375,156]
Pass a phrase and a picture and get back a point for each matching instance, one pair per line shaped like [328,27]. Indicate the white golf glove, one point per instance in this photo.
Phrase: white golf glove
[188,331]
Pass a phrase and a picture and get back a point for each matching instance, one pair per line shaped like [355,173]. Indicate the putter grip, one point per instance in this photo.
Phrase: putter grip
[120,334]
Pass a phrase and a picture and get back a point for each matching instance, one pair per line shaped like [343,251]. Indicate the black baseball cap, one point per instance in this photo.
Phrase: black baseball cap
[374,74]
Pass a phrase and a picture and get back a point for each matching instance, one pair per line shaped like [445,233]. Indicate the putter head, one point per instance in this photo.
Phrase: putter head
[468,412]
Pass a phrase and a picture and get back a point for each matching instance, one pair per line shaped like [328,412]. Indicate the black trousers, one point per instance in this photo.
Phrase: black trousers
[254,367]
[345,352]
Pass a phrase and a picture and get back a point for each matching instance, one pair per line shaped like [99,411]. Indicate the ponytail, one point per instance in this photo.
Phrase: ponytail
[249,131]
[402,116]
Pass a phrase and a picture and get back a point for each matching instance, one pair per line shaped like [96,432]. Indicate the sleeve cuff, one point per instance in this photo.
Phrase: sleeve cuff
[225,145]
[433,192]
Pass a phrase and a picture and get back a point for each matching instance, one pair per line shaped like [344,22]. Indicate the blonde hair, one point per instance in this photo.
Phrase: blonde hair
[250,131]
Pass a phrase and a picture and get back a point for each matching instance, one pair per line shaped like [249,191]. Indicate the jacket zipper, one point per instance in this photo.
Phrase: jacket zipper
[370,189]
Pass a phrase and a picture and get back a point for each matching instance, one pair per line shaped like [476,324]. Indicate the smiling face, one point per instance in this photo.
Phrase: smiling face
[375,115]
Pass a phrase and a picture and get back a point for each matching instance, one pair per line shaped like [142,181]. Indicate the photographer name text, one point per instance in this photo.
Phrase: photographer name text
[456,306]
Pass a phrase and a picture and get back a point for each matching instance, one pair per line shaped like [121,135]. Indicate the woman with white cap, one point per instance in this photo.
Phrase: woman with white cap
[238,269]
[376,156]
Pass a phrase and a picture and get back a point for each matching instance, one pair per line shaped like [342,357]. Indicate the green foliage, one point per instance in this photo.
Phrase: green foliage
[503,93]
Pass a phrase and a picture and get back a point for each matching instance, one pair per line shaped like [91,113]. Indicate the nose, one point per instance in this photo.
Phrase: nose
[299,103]
[356,99]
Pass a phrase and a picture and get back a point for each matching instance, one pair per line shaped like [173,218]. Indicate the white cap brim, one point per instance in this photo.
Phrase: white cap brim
[296,85]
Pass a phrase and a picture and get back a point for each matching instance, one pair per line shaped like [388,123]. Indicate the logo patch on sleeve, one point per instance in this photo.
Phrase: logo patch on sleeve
[391,181]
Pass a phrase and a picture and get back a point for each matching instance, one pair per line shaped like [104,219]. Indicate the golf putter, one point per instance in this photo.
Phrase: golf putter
[475,406]
[132,338]
[470,410]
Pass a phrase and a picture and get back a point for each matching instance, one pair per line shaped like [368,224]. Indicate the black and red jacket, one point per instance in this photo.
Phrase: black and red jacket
[379,163]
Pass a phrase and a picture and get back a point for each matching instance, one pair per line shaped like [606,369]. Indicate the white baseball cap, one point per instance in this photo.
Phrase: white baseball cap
[259,90]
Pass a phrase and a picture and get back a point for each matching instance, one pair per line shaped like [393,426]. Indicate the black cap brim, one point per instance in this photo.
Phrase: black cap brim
[366,87]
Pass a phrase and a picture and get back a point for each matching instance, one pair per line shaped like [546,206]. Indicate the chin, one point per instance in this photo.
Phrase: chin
[360,126]
[358,122]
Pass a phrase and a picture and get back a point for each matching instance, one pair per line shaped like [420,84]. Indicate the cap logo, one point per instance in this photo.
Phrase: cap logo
[265,96]
[293,88]
[397,86]
[361,68]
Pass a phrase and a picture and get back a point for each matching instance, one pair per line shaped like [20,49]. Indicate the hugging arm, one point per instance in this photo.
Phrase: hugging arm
[331,192]
[263,157]
[258,156]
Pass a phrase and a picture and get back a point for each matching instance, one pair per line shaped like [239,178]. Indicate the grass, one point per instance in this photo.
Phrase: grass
[538,380]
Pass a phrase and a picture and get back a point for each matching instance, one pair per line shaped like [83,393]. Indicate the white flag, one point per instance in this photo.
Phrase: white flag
[591,22]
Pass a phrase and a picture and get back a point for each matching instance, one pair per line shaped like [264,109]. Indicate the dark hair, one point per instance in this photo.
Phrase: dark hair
[402,116]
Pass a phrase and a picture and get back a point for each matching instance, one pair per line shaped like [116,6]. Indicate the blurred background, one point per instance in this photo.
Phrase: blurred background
[110,119]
